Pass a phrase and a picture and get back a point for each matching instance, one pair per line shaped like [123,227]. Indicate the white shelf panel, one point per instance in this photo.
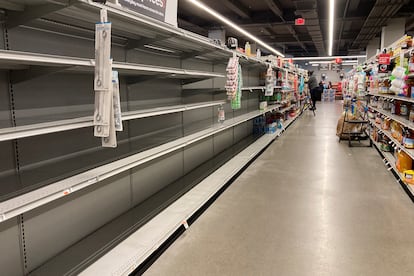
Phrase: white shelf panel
[395,97]
[26,202]
[80,64]
[410,152]
[130,253]
[70,124]
[396,118]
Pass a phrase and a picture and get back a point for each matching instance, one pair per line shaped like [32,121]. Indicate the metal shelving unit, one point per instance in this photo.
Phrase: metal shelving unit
[184,131]
[70,124]
[394,97]
[28,201]
[121,260]
[387,133]
[390,161]
[24,60]
[396,118]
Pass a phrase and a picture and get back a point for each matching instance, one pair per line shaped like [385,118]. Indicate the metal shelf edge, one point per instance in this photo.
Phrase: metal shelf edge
[124,262]
[23,203]
[70,124]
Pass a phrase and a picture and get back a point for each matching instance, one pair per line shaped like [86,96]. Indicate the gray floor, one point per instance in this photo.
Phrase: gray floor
[307,206]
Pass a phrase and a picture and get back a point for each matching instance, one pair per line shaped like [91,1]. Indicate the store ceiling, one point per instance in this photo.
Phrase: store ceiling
[356,22]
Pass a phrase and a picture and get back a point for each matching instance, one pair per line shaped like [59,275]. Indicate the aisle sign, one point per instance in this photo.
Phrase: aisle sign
[152,8]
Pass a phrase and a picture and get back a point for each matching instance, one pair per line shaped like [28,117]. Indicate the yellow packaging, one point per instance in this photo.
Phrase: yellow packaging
[408,177]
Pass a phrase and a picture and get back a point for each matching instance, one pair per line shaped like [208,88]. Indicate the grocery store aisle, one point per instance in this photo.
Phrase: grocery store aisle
[307,206]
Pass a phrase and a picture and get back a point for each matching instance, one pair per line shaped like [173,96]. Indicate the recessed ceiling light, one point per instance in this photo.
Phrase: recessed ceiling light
[235,27]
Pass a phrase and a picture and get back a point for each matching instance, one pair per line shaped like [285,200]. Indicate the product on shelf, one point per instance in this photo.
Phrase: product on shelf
[232,77]
[408,138]
[269,89]
[398,85]
[396,131]
[247,49]
[408,177]
[404,161]
[221,116]
[236,101]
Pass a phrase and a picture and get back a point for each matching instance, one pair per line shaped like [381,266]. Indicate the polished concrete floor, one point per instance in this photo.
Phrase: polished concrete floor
[307,206]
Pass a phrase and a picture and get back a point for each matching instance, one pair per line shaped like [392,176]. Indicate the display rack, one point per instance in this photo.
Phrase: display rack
[390,161]
[171,85]
[121,260]
[374,92]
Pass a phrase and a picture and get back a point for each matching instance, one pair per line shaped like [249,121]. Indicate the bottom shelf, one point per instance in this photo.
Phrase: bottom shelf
[389,157]
[134,250]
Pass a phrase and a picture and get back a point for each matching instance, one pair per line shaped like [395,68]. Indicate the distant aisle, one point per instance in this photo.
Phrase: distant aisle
[307,206]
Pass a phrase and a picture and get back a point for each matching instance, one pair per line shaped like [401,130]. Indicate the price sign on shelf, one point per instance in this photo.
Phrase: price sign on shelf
[384,61]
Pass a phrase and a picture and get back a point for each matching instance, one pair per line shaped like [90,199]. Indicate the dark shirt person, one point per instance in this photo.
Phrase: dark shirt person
[313,88]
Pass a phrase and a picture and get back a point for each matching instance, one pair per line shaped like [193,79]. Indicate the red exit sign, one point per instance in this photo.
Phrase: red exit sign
[300,21]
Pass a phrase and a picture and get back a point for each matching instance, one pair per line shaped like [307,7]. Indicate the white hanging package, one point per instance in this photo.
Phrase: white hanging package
[116,101]
[269,82]
[103,68]
[232,77]
[107,113]
[102,113]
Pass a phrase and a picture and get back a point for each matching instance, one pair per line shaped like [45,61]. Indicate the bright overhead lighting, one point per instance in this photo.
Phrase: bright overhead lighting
[331,25]
[315,64]
[329,58]
[235,27]
[320,62]
[350,61]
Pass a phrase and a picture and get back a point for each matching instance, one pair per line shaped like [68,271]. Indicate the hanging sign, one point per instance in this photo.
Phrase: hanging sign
[152,8]
[384,61]
[300,21]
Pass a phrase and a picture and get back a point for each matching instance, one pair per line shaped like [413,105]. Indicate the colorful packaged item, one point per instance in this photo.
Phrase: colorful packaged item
[404,162]
[408,177]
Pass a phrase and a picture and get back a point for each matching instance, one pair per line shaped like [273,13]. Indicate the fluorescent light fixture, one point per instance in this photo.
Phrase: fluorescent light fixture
[329,58]
[320,62]
[315,64]
[331,25]
[159,48]
[235,27]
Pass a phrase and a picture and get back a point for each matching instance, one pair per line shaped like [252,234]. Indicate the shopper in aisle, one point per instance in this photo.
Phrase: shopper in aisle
[313,88]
